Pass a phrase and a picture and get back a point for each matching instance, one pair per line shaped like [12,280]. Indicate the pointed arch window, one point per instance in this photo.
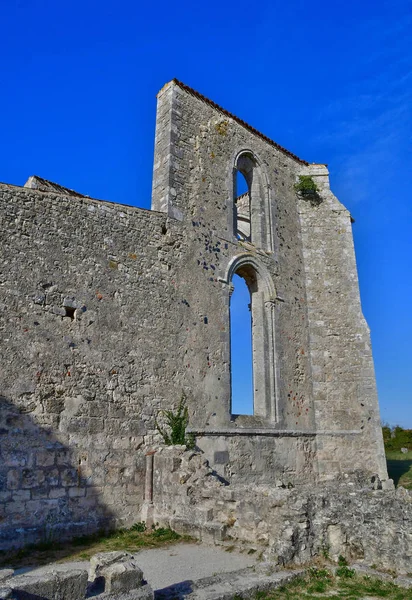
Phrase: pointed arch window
[262,322]
[251,206]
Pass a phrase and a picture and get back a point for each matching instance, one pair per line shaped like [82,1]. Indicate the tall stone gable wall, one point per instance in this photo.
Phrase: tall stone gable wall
[324,371]
[108,313]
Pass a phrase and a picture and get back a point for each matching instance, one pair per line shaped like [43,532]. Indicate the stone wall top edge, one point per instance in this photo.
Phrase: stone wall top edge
[83,199]
[190,91]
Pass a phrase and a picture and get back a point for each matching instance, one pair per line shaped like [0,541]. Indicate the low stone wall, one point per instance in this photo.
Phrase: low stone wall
[289,524]
[109,576]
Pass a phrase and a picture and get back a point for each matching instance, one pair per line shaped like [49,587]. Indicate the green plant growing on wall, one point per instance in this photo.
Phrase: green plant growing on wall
[305,184]
[307,189]
[176,422]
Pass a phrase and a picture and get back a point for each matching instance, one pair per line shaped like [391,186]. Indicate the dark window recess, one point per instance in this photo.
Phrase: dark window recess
[69,311]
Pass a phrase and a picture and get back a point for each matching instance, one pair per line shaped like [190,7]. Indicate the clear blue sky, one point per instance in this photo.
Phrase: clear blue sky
[331,81]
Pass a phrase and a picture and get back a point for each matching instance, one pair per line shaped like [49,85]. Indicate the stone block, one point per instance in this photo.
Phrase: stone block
[206,514]
[76,492]
[185,527]
[71,585]
[34,586]
[13,479]
[32,478]
[101,560]
[227,494]
[122,576]
[213,532]
[57,493]
[45,458]
[50,585]
[143,593]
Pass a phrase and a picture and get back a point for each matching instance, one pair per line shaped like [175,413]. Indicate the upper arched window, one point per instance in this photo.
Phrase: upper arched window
[242,208]
[251,207]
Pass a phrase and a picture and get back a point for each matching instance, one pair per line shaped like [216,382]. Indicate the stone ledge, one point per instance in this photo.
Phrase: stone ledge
[268,432]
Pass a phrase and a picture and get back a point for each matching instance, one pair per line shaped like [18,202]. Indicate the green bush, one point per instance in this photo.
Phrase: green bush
[307,189]
[305,184]
[396,438]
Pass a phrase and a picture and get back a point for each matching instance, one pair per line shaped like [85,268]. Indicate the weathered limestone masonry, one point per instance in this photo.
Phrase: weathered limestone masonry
[109,312]
[88,321]
[286,524]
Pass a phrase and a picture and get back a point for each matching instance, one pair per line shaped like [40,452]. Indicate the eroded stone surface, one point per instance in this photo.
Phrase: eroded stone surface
[114,575]
[102,560]
[288,524]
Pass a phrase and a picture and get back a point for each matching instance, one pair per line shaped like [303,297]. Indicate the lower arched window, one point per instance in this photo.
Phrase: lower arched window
[241,353]
[259,327]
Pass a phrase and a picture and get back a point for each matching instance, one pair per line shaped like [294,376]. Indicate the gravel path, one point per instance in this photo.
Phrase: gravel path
[163,567]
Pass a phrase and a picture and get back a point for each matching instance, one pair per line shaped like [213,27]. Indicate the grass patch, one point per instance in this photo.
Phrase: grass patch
[320,583]
[82,548]
[400,468]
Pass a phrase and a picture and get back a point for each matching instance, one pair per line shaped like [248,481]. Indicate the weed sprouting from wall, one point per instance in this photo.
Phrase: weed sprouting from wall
[307,189]
[176,422]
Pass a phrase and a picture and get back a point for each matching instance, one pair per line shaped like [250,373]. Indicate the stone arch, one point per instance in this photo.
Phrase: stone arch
[263,295]
[254,205]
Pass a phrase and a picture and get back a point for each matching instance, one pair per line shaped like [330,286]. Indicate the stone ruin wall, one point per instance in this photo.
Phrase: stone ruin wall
[109,312]
[78,392]
[325,383]
[286,525]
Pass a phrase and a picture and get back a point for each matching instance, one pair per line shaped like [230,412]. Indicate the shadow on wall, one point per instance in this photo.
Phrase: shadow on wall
[47,491]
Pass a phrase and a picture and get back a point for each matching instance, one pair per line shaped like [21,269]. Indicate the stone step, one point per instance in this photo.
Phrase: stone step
[227,586]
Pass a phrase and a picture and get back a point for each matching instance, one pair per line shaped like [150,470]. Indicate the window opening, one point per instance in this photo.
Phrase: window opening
[241,348]
[69,312]
[242,208]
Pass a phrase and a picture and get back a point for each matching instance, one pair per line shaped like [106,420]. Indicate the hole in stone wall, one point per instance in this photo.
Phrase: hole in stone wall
[241,348]
[69,312]
[242,208]
[164,229]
